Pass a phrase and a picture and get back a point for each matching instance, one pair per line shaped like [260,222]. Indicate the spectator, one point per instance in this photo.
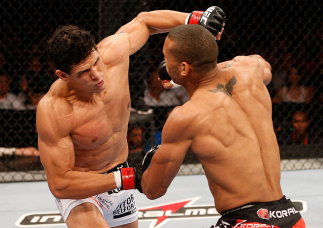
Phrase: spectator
[156,95]
[293,91]
[19,159]
[31,93]
[24,151]
[135,139]
[316,80]
[161,100]
[8,100]
[158,133]
[31,85]
[280,67]
[299,133]
[42,65]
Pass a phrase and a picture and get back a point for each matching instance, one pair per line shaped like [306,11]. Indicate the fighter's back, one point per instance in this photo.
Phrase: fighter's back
[233,136]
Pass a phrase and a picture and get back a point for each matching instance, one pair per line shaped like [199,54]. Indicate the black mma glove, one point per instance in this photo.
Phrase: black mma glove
[147,159]
[162,72]
[128,178]
[212,19]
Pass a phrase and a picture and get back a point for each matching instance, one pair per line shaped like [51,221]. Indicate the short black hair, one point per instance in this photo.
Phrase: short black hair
[69,45]
[195,45]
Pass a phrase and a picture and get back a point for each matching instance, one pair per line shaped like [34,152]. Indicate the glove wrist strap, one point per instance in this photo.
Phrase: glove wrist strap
[128,178]
[194,17]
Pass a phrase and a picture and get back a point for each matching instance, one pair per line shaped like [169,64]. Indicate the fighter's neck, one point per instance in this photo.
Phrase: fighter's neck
[73,95]
[203,81]
[81,97]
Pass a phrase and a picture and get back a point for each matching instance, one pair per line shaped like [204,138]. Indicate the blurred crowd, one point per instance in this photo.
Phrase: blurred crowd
[296,88]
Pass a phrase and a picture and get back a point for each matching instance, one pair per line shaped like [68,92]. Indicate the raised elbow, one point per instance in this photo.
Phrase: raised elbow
[142,14]
[146,18]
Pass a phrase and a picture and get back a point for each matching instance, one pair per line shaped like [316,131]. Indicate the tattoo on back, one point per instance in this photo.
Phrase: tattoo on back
[227,89]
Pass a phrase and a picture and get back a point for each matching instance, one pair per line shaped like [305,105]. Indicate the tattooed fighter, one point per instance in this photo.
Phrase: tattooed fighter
[227,125]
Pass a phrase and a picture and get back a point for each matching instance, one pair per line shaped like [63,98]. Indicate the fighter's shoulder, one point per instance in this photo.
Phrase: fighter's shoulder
[245,62]
[114,41]
[114,48]
[53,105]
[52,102]
[241,67]
[53,117]
[182,117]
[188,108]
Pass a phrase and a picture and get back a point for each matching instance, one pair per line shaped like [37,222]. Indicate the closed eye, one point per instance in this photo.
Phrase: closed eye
[79,74]
[97,60]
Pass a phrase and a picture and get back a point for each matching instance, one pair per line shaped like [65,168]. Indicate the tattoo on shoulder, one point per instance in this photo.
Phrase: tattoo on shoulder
[228,65]
[227,89]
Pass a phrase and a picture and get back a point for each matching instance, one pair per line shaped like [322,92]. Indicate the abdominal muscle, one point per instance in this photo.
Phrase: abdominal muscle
[102,160]
[99,136]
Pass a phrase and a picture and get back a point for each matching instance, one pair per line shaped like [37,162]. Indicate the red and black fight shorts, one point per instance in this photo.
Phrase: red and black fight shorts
[276,214]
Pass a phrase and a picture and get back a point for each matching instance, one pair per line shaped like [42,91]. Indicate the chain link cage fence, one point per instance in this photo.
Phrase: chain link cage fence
[288,34]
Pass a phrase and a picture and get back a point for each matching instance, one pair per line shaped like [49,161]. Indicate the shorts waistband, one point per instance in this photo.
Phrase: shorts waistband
[118,167]
[250,205]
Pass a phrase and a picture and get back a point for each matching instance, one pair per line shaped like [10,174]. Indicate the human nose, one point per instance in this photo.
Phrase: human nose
[95,74]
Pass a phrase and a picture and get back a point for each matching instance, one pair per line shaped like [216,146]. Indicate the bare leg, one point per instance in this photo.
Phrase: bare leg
[130,225]
[86,215]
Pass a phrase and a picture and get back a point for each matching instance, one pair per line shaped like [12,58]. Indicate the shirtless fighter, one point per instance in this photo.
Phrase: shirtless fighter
[227,125]
[82,121]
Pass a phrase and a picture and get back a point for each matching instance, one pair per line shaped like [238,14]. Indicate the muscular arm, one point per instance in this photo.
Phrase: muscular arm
[167,159]
[57,155]
[149,23]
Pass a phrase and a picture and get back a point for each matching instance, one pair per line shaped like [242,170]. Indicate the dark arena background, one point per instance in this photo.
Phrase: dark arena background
[288,34]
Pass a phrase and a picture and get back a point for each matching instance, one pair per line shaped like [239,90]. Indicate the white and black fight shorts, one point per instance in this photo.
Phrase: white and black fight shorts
[118,207]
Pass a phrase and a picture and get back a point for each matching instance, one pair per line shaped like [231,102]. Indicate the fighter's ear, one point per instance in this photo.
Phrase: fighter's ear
[62,75]
[185,69]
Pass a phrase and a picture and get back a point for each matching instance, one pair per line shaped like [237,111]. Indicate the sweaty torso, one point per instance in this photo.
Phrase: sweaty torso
[233,137]
[100,131]
[98,128]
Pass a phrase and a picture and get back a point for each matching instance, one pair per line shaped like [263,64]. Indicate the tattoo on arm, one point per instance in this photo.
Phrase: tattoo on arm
[227,89]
